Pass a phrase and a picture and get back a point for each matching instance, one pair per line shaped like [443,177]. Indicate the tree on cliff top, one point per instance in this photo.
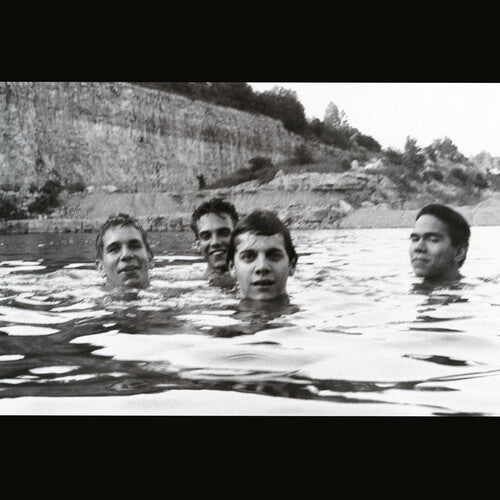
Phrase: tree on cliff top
[279,103]
[413,156]
[282,104]
[335,118]
[445,149]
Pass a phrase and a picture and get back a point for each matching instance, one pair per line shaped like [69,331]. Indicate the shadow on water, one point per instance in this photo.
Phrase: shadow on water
[255,316]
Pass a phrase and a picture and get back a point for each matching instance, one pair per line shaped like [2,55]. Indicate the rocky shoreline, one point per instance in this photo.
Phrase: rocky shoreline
[304,201]
[486,213]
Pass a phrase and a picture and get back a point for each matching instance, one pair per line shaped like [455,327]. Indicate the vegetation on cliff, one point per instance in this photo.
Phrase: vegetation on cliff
[279,103]
[40,200]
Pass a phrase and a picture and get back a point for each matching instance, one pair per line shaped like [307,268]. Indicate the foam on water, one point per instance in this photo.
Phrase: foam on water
[27,330]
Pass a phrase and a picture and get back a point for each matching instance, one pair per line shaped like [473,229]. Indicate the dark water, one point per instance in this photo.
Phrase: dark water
[58,250]
[359,336]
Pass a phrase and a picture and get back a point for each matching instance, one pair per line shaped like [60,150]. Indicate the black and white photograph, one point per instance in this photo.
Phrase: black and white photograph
[260,249]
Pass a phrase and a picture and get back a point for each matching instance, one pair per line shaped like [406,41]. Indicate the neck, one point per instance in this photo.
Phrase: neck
[276,301]
[451,275]
[211,271]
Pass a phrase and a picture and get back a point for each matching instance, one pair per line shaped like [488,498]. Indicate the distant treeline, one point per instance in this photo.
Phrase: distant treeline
[279,103]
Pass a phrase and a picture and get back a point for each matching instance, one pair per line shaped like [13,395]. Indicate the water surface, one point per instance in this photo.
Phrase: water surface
[359,336]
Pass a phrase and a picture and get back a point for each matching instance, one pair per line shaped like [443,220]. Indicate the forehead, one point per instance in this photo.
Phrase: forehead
[121,234]
[430,224]
[257,242]
[212,221]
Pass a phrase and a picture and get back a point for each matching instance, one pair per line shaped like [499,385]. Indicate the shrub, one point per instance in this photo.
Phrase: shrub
[237,177]
[338,137]
[480,181]
[433,174]
[394,157]
[446,149]
[368,142]
[459,174]
[345,165]
[42,203]
[51,187]
[413,156]
[46,198]
[209,133]
[75,187]
[9,207]
[494,181]
[7,186]
[260,162]
[302,155]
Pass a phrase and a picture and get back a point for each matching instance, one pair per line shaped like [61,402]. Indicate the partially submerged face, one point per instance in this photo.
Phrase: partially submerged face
[261,266]
[433,255]
[125,259]
[214,233]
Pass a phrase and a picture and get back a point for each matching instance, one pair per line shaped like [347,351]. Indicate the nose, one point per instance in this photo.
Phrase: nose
[262,265]
[419,245]
[126,253]
[215,240]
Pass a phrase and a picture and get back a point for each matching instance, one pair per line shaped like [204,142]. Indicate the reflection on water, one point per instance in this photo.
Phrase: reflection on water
[359,334]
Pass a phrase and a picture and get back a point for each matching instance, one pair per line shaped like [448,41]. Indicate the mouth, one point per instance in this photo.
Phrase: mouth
[265,283]
[129,269]
[419,260]
[218,253]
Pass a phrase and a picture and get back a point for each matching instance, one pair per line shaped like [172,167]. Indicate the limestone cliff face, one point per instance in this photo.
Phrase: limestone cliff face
[132,137]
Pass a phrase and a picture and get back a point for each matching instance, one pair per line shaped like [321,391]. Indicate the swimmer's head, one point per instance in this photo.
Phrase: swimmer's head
[261,256]
[212,223]
[124,255]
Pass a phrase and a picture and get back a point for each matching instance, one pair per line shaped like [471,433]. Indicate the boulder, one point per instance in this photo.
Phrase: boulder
[348,181]
[374,165]
[345,207]
[317,214]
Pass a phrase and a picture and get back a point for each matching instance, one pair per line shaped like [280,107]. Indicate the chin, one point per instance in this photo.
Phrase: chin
[220,268]
[264,296]
[135,284]
[421,273]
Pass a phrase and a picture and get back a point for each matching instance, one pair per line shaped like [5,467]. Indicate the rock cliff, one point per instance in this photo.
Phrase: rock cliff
[120,134]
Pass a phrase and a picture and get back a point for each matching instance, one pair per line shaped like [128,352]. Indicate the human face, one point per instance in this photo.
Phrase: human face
[261,266]
[125,259]
[432,253]
[214,233]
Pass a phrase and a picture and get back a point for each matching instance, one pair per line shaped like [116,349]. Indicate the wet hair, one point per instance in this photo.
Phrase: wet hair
[262,223]
[458,227]
[216,206]
[120,220]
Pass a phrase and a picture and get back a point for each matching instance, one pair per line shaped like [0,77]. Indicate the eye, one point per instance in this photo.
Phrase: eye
[247,256]
[204,236]
[225,232]
[112,249]
[275,256]
[434,239]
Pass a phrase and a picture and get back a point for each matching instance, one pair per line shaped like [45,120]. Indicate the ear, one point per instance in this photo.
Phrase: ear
[100,268]
[461,253]
[291,269]
[197,245]
[232,272]
[151,262]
